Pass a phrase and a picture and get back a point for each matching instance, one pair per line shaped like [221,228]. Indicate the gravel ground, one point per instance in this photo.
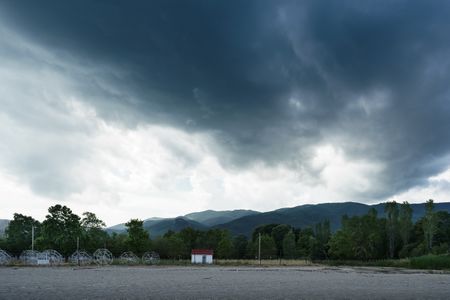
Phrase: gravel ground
[221,282]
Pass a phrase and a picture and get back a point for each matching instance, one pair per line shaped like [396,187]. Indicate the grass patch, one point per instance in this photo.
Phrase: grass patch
[392,263]
[264,262]
[426,262]
[435,262]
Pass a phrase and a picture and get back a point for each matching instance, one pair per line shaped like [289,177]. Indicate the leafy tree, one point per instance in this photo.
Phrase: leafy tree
[342,245]
[278,233]
[18,233]
[93,235]
[225,246]
[91,221]
[442,235]
[240,244]
[60,230]
[319,244]
[405,222]
[429,224]
[289,245]
[138,239]
[304,242]
[361,237]
[391,210]
[117,243]
[268,247]
[161,245]
[189,237]
[264,230]
[176,247]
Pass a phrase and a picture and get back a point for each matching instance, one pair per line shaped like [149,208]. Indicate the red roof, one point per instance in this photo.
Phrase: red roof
[202,251]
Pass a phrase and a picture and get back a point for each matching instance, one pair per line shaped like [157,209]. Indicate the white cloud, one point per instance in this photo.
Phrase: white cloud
[437,188]
[57,148]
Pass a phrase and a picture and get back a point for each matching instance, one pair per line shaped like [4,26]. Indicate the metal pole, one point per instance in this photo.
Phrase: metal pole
[32,237]
[259,248]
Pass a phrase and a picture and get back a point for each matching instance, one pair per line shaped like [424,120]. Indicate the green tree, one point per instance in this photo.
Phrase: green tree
[18,233]
[341,245]
[225,246]
[60,230]
[263,229]
[405,222]
[319,244]
[429,224]
[161,245]
[93,235]
[360,237]
[138,239]
[240,244]
[176,247]
[268,247]
[289,245]
[278,233]
[303,246]
[189,237]
[391,210]
[117,243]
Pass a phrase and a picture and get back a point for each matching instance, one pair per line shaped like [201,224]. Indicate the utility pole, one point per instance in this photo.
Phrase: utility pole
[32,237]
[78,252]
[259,248]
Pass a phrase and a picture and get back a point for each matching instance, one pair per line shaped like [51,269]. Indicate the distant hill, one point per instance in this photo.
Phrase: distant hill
[196,220]
[245,221]
[299,216]
[160,227]
[213,217]
[308,215]
[3,224]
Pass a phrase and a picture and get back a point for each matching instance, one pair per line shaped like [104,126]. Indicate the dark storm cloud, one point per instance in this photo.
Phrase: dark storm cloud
[271,78]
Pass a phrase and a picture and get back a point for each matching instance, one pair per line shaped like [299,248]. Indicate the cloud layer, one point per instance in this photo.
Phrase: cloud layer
[111,103]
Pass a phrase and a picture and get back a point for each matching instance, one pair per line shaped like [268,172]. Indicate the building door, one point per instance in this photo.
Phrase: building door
[203,259]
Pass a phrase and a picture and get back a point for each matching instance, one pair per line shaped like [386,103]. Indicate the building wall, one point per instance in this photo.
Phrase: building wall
[198,258]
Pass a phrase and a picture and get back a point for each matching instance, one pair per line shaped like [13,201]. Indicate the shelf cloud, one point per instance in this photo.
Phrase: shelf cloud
[164,107]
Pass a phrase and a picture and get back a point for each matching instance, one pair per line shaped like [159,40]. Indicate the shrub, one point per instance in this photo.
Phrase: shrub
[431,261]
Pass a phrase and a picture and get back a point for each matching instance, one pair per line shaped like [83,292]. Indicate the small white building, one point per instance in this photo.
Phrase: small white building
[202,256]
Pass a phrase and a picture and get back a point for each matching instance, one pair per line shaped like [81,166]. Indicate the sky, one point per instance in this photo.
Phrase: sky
[136,109]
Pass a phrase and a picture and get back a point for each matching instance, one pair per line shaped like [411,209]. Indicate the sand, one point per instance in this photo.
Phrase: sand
[118,282]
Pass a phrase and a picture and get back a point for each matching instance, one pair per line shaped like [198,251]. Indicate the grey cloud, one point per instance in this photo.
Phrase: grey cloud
[269,79]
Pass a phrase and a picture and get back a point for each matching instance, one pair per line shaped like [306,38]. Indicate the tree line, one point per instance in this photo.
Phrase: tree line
[365,237]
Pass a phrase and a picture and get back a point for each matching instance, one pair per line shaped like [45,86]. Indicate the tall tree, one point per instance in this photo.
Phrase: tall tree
[225,246]
[18,233]
[278,233]
[93,235]
[289,245]
[240,246]
[60,229]
[391,210]
[322,235]
[429,224]
[304,243]
[268,247]
[360,237]
[405,222]
[138,239]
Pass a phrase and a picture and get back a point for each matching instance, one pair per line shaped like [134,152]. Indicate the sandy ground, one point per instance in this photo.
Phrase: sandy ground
[221,282]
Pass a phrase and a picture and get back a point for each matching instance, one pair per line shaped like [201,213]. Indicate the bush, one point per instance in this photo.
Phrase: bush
[431,261]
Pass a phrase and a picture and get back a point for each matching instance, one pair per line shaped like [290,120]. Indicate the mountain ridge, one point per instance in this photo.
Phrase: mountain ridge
[297,216]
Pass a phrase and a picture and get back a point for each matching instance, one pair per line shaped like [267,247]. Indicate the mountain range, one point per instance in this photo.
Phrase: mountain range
[245,221]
